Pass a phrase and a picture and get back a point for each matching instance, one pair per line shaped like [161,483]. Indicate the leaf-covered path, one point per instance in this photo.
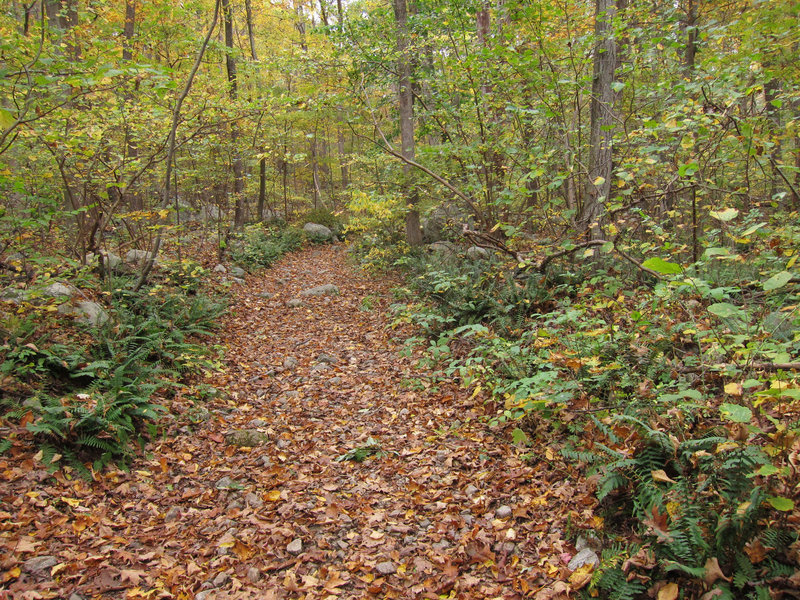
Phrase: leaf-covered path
[447,508]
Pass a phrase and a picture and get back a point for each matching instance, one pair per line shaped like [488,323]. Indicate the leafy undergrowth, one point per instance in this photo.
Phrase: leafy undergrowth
[677,397]
[367,478]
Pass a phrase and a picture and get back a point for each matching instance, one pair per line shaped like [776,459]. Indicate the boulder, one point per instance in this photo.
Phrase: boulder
[220,268]
[321,290]
[477,253]
[442,248]
[86,312]
[136,257]
[59,290]
[318,232]
[111,262]
[238,272]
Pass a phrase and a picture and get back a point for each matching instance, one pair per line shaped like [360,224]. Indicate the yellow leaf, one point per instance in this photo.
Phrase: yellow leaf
[273,496]
[668,592]
[734,389]
[661,476]
[599,181]
[581,576]
[791,262]
[73,502]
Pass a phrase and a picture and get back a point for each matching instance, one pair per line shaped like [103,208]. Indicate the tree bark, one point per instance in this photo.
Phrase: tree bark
[248,10]
[176,115]
[233,92]
[603,120]
[406,112]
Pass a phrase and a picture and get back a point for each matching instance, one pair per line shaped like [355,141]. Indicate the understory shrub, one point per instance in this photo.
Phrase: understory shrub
[260,246]
[90,396]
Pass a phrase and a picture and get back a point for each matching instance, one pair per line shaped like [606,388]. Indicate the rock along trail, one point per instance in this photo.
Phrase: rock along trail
[244,498]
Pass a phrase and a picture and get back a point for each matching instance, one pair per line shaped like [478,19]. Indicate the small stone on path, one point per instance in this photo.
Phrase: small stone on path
[173,514]
[40,565]
[321,290]
[253,575]
[221,579]
[246,438]
[294,303]
[295,546]
[503,512]
[386,568]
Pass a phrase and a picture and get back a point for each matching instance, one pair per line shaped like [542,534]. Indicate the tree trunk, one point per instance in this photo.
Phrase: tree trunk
[248,9]
[406,110]
[233,92]
[598,186]
[262,187]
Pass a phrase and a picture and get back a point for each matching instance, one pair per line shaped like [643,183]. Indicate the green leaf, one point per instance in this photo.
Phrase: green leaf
[617,85]
[751,230]
[777,281]
[768,470]
[781,503]
[726,310]
[6,118]
[659,265]
[725,215]
[688,169]
[519,436]
[736,413]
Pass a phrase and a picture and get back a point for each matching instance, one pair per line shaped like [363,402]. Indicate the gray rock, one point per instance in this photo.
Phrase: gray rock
[265,295]
[249,438]
[32,402]
[221,579]
[238,280]
[327,359]
[173,514]
[258,423]
[587,556]
[13,295]
[253,501]
[226,483]
[238,272]
[137,256]
[442,248]
[319,367]
[317,231]
[386,567]
[295,546]
[591,541]
[253,575]
[39,565]
[470,490]
[56,290]
[203,595]
[503,512]
[220,268]
[290,362]
[294,303]
[86,312]
[477,253]
[327,289]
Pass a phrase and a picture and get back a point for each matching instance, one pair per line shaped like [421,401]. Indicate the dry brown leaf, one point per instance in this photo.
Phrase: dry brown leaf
[713,572]
[668,592]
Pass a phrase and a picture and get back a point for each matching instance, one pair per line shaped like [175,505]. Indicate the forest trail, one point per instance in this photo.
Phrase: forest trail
[446,508]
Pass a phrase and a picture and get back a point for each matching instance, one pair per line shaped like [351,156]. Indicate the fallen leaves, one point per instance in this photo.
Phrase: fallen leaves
[289,520]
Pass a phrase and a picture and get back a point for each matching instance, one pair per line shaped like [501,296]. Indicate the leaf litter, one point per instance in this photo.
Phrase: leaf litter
[440,506]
